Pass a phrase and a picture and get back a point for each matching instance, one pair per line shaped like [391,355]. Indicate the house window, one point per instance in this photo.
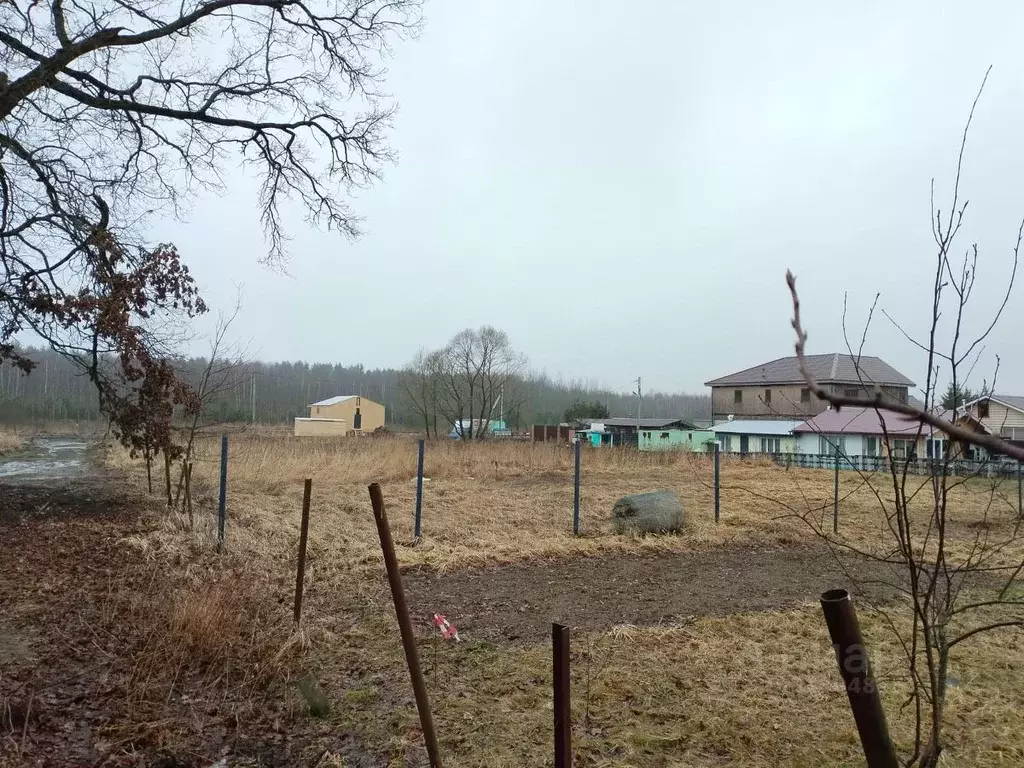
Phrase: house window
[870,446]
[903,449]
[737,396]
[647,435]
[827,444]
[664,435]
[767,397]
[725,442]
[851,392]
[936,448]
[771,445]
[805,395]
[983,410]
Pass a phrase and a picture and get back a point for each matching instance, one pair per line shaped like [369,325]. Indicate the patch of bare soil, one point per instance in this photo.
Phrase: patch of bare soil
[519,602]
[83,500]
[112,657]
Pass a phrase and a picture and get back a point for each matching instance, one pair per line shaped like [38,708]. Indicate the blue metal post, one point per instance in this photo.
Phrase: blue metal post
[835,495]
[1020,491]
[222,509]
[717,481]
[419,491]
[576,491]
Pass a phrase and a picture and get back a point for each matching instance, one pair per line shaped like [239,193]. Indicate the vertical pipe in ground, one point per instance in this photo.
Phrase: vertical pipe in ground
[300,571]
[412,658]
[835,495]
[417,526]
[718,486]
[861,686]
[576,491]
[222,504]
[562,699]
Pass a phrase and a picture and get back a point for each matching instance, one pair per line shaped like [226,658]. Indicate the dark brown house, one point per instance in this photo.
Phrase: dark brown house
[777,390]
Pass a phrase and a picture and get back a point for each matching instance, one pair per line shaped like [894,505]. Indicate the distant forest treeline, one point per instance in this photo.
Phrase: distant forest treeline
[57,390]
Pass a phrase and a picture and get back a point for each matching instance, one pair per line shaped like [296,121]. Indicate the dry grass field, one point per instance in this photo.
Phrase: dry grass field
[11,440]
[702,649]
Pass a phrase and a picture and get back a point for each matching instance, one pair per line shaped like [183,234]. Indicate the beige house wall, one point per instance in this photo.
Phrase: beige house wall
[786,400]
[320,427]
[372,413]
[999,418]
[785,403]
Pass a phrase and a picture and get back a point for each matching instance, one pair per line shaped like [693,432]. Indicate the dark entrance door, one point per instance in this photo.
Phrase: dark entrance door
[744,443]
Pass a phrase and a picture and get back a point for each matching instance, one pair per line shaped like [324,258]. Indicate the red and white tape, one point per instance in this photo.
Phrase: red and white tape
[448,630]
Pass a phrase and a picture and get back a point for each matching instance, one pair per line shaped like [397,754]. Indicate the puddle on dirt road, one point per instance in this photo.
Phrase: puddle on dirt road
[49,458]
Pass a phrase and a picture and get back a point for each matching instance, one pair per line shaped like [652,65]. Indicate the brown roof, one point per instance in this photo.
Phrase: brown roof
[866,421]
[833,368]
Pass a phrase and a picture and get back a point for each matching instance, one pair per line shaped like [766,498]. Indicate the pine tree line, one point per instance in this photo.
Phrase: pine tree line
[275,393]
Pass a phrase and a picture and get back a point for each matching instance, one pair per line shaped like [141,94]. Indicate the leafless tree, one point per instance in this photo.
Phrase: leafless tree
[420,385]
[473,371]
[955,587]
[218,377]
[115,110]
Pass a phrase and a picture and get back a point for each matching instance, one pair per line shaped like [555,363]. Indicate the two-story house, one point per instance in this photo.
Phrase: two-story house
[777,390]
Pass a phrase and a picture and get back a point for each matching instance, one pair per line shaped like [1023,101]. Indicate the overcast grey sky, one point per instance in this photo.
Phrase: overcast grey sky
[621,188]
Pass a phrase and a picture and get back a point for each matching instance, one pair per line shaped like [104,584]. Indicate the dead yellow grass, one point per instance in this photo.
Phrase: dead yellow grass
[11,440]
[215,626]
[745,690]
[501,502]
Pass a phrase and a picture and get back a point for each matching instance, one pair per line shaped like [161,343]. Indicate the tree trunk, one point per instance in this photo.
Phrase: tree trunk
[930,755]
[167,478]
[188,495]
[149,472]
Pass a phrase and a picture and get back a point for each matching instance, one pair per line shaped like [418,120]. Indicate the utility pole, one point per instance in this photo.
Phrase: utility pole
[253,399]
[639,400]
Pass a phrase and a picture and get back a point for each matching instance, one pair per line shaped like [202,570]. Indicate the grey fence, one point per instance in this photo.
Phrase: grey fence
[915,466]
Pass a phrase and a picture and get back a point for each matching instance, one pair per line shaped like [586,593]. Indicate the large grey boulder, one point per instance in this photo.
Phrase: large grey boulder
[655,512]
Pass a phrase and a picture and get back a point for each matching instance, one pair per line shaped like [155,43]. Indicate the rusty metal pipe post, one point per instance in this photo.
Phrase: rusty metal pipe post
[300,575]
[861,686]
[562,699]
[419,686]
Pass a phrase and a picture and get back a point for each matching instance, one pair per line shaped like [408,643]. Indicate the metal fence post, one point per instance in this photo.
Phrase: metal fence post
[300,575]
[1020,490]
[562,698]
[576,490]
[412,658]
[419,492]
[222,505]
[717,483]
[861,686]
[835,496]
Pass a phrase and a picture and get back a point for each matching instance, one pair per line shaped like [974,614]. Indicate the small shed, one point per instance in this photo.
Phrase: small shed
[339,415]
